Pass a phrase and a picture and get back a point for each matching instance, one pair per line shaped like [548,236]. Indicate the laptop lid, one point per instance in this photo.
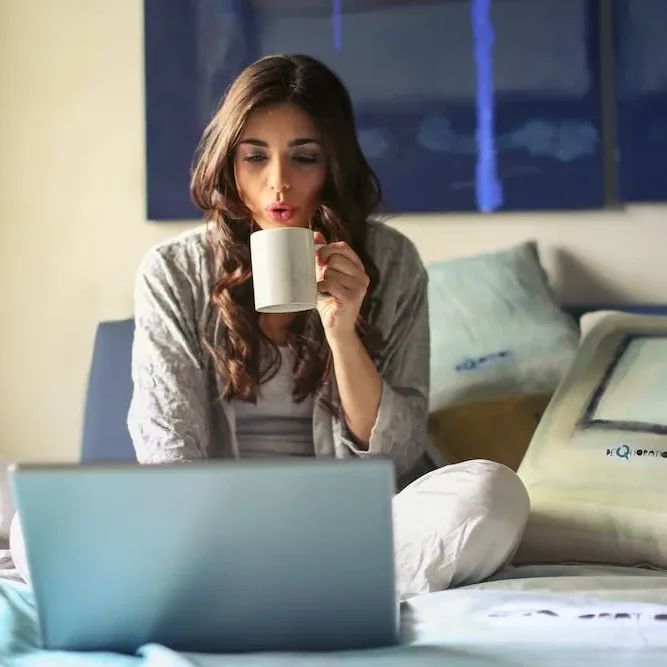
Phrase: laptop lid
[213,557]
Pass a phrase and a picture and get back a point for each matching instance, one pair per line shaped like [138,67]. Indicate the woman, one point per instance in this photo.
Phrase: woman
[215,379]
[349,380]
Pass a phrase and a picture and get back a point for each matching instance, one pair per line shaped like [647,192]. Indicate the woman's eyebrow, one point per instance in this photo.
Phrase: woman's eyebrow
[292,144]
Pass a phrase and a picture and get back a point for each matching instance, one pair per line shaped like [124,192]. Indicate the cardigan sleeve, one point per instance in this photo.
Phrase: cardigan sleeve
[400,431]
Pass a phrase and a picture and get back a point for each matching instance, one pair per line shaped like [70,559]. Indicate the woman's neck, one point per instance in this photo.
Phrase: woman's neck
[275,326]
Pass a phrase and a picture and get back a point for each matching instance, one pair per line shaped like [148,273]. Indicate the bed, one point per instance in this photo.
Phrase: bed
[559,615]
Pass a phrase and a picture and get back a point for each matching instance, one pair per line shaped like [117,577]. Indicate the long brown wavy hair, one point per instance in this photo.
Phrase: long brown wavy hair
[350,195]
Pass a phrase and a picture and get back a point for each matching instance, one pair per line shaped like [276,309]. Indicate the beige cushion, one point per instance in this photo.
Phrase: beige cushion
[497,429]
[596,469]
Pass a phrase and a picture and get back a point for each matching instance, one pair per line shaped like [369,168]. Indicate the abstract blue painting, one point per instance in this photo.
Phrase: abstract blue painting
[640,59]
[461,105]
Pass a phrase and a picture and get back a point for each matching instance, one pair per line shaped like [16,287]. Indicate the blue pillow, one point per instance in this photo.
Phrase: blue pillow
[496,328]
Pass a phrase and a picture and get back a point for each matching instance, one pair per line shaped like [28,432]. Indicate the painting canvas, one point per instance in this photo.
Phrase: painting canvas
[461,105]
[641,99]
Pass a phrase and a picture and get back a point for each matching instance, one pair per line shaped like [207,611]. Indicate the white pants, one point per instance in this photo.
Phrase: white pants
[453,526]
[457,525]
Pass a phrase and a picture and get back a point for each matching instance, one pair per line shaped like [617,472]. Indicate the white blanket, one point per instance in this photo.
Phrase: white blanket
[553,617]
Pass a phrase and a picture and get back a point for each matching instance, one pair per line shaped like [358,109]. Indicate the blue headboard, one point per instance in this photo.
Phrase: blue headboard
[105,436]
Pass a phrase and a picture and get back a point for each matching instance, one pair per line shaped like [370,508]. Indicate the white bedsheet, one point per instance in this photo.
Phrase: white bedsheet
[555,616]
[603,582]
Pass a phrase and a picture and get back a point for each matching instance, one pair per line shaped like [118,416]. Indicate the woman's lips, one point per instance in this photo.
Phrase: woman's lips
[280,211]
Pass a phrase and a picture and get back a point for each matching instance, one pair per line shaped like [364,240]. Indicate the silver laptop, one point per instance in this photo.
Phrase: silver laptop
[214,557]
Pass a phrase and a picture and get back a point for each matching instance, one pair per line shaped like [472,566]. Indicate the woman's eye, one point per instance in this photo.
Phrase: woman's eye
[306,159]
[254,158]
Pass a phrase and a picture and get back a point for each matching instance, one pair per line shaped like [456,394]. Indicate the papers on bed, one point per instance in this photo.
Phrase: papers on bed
[523,618]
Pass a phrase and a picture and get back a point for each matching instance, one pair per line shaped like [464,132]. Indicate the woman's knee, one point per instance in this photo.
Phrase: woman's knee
[457,525]
[493,491]
[500,510]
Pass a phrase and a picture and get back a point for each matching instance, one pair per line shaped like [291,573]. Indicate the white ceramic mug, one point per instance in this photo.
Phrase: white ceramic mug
[284,270]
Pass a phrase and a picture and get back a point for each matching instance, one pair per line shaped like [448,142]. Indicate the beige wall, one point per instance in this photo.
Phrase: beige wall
[72,224]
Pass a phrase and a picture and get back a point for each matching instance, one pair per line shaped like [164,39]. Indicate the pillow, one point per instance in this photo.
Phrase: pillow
[596,468]
[497,429]
[496,328]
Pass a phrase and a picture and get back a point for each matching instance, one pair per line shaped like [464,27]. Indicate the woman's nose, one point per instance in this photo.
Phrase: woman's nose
[279,178]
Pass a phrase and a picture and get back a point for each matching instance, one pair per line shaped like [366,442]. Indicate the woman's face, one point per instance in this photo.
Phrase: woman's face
[280,167]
